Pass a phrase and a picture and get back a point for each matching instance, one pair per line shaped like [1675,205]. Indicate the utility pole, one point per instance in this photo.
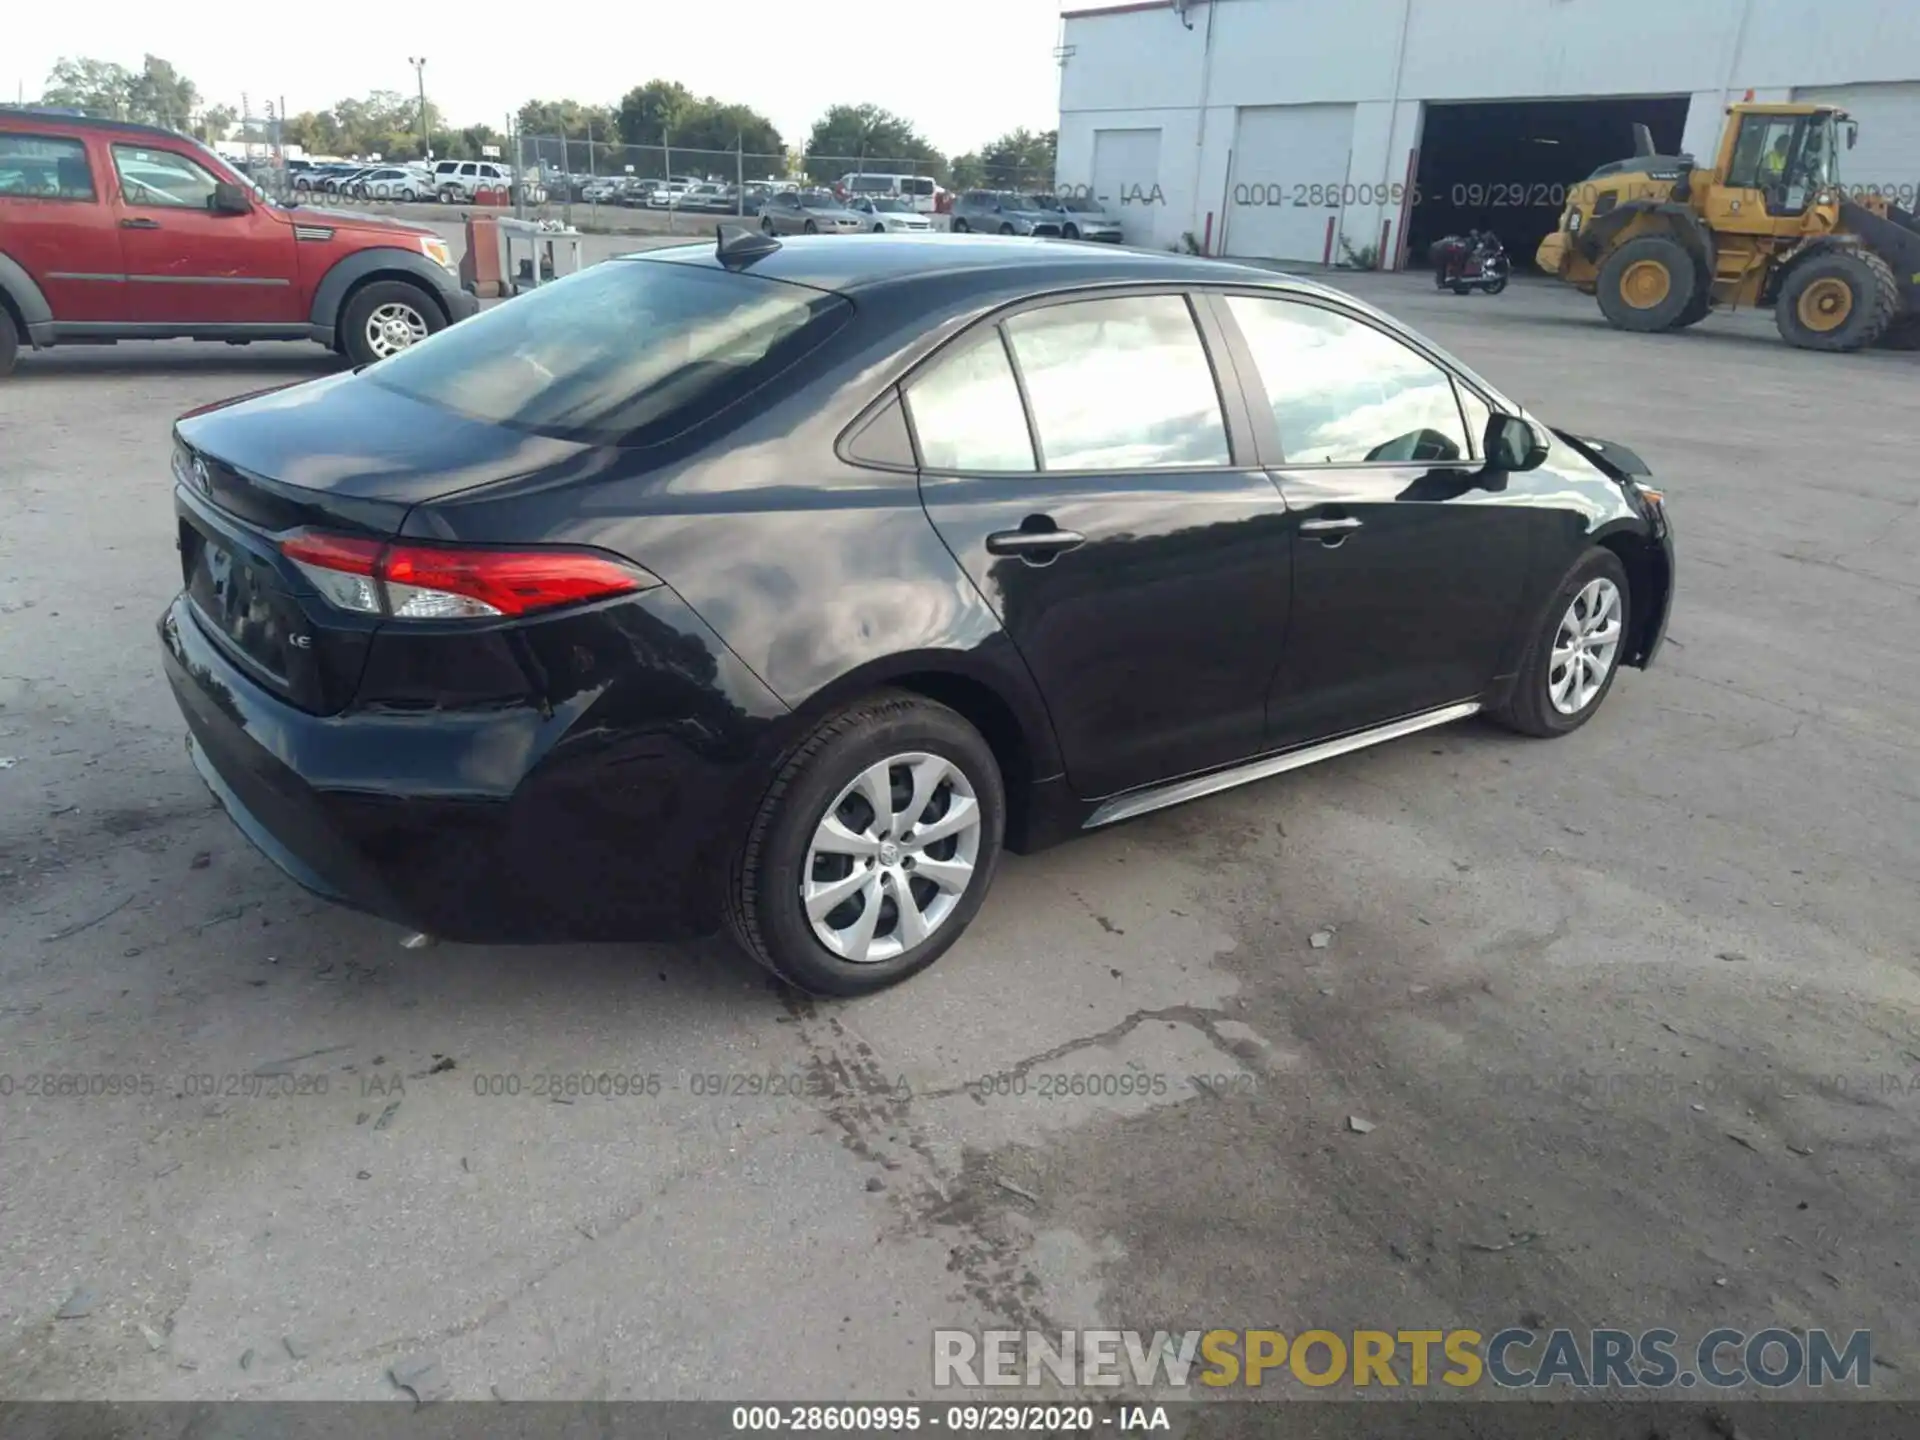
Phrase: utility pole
[420,76]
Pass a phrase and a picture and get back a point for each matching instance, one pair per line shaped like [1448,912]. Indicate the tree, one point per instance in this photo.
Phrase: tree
[871,138]
[709,132]
[649,113]
[217,123]
[96,87]
[385,123]
[155,94]
[570,118]
[162,95]
[1020,160]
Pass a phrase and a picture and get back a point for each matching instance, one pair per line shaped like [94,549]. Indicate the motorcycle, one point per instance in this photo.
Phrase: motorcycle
[1474,261]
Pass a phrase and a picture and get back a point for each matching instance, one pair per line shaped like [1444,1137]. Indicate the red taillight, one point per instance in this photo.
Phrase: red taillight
[434,582]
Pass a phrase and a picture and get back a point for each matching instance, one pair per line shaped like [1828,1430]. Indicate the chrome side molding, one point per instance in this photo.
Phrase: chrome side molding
[1177,792]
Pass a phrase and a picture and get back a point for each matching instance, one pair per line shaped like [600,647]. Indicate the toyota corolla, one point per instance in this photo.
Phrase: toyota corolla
[781,585]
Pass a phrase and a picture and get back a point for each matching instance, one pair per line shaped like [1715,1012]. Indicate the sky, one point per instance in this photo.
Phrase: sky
[963,71]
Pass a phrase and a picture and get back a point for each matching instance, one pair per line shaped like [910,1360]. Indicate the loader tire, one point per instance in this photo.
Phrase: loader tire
[1702,304]
[1902,334]
[1837,300]
[1648,284]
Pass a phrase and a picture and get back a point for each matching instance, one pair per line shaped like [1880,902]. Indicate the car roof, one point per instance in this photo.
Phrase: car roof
[77,122]
[847,265]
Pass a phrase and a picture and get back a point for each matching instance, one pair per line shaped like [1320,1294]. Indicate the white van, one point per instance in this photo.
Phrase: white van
[919,191]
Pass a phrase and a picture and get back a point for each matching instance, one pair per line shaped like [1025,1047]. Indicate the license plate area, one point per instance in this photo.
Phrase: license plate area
[242,603]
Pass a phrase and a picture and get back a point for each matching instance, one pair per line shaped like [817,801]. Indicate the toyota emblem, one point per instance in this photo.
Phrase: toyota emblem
[201,478]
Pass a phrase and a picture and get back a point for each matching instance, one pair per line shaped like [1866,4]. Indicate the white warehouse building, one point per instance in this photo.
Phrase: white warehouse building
[1317,130]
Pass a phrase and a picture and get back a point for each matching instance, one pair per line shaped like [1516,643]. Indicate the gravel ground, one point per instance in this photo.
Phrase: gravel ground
[1633,1014]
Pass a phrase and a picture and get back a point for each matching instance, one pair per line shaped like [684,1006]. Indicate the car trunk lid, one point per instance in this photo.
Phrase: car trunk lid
[253,471]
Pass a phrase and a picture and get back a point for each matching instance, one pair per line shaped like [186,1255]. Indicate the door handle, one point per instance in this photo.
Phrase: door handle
[1034,544]
[139,223]
[1329,527]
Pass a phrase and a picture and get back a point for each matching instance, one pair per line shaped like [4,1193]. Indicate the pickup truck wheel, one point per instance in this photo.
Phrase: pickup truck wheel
[9,343]
[385,318]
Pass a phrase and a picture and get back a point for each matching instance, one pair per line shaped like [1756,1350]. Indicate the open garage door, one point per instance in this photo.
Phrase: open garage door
[1289,178]
[1506,166]
[1888,155]
[1126,166]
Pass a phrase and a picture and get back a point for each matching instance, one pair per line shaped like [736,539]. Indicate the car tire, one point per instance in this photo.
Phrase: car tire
[9,343]
[408,196]
[766,226]
[386,305]
[811,228]
[1648,284]
[1005,228]
[826,779]
[1556,691]
[1072,232]
[958,226]
[879,229]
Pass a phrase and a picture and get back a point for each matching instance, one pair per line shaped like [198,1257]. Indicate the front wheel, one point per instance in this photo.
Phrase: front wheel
[1497,286]
[1072,232]
[872,850]
[811,228]
[1647,284]
[385,318]
[9,344]
[1006,229]
[1575,653]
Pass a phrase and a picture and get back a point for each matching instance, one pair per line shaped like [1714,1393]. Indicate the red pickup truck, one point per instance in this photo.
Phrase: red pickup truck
[111,231]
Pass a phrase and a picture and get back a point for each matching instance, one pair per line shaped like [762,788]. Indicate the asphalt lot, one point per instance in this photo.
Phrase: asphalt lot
[1634,1014]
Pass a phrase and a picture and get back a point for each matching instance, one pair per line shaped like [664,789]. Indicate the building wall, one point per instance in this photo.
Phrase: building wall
[1142,68]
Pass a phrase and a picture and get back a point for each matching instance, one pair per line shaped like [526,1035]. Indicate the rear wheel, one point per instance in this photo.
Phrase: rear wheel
[9,343]
[811,228]
[1837,300]
[873,848]
[1648,284]
[1006,229]
[1575,652]
[385,318]
[1072,232]
[959,226]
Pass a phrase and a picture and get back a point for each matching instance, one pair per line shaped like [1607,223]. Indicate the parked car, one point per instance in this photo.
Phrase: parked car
[1002,212]
[599,192]
[712,197]
[315,178]
[1084,218]
[791,619]
[390,182]
[460,180]
[131,203]
[807,212]
[884,213]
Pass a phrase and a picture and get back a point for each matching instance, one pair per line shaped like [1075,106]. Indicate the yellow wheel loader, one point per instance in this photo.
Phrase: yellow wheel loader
[1661,244]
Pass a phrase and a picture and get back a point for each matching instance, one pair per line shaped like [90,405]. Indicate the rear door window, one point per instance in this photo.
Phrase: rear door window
[1120,384]
[966,409]
[628,352]
[37,167]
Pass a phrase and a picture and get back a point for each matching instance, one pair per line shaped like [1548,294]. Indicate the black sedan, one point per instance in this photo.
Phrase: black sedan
[781,585]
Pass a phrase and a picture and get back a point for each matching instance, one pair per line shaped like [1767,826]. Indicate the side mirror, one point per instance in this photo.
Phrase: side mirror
[229,199]
[1515,444]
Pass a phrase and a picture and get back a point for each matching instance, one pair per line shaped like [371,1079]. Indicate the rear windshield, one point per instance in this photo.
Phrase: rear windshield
[630,352]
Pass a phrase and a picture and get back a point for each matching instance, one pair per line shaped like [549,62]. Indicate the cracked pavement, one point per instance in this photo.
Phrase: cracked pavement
[1646,995]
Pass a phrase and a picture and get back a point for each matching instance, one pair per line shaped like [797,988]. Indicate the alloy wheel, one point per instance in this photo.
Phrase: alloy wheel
[1585,647]
[891,858]
[393,327]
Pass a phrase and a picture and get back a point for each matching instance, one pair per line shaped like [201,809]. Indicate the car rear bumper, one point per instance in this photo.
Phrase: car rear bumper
[508,824]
